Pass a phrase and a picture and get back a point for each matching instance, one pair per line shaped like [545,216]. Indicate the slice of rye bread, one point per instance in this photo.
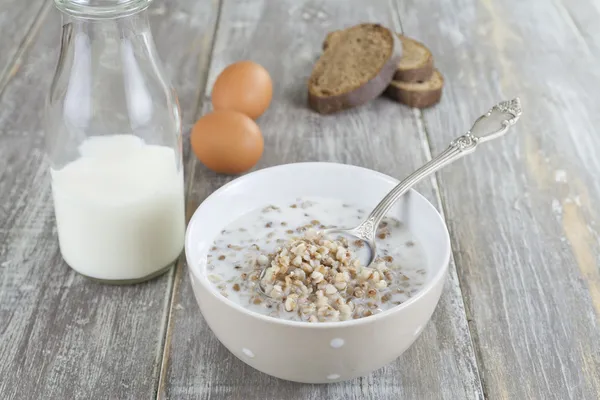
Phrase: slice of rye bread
[417,94]
[415,65]
[354,70]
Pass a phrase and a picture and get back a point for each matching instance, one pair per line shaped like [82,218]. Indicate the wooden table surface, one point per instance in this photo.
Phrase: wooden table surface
[520,314]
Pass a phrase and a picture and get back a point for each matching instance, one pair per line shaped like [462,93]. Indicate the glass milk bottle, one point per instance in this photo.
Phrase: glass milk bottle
[113,132]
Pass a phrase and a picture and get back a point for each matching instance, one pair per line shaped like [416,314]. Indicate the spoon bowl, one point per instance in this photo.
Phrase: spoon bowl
[354,234]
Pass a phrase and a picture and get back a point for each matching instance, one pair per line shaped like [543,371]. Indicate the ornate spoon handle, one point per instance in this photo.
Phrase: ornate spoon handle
[502,116]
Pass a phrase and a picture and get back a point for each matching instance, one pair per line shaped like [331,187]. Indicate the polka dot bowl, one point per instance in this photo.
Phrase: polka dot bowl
[315,352]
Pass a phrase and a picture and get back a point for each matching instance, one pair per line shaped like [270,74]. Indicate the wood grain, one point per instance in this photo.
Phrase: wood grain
[61,336]
[381,135]
[19,23]
[523,212]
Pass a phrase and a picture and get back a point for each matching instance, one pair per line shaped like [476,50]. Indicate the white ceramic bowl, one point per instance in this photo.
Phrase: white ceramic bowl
[315,352]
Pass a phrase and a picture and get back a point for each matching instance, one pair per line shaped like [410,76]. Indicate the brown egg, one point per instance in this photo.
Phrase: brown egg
[227,141]
[244,86]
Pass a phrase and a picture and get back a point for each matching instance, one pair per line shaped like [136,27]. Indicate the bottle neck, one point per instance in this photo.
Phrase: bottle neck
[105,33]
[107,66]
[101,9]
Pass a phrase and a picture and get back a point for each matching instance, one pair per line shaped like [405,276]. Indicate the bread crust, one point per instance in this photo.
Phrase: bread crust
[415,74]
[421,98]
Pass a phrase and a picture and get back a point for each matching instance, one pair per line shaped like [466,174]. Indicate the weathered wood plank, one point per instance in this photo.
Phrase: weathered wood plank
[580,17]
[19,22]
[61,336]
[523,212]
[285,37]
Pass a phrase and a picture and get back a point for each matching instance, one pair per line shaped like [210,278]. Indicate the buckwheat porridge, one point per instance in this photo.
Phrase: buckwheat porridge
[311,277]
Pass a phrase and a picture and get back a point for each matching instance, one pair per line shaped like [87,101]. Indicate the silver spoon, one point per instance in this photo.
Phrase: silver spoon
[489,126]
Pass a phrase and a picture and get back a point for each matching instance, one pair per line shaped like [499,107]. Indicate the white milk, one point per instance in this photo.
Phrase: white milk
[120,208]
[231,259]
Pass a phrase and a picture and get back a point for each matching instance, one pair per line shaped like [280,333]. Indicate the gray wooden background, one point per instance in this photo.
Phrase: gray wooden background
[520,314]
